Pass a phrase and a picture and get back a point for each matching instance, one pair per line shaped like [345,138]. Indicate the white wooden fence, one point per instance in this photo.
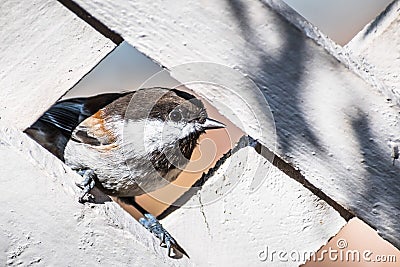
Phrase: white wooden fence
[335,130]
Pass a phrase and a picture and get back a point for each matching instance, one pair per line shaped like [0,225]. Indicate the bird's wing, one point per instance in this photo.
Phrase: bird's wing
[95,130]
[61,120]
[65,115]
[68,114]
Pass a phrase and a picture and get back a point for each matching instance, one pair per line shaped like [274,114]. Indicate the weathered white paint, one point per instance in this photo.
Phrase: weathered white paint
[331,124]
[45,50]
[378,45]
[281,215]
[354,63]
[41,218]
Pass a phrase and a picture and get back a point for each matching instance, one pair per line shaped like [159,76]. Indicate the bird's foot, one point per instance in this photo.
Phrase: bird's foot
[155,227]
[87,184]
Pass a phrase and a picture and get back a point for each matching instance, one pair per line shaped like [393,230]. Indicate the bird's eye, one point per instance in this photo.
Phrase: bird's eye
[175,115]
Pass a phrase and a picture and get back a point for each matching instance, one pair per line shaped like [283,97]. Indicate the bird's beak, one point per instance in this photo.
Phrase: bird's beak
[210,124]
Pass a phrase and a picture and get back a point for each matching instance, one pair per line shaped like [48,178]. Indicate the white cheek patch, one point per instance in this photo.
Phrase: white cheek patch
[145,136]
[187,129]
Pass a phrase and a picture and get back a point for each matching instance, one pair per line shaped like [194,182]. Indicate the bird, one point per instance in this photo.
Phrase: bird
[126,144]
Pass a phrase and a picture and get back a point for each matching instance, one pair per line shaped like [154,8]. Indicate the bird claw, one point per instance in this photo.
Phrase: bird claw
[87,184]
[166,240]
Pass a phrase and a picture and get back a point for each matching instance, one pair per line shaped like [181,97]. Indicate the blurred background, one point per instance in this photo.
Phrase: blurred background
[126,69]
[339,19]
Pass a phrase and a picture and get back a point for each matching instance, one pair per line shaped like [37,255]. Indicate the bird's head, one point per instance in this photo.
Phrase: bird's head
[183,114]
[175,117]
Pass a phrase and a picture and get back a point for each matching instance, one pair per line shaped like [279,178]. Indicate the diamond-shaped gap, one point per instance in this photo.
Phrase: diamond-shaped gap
[357,245]
[339,20]
[126,69]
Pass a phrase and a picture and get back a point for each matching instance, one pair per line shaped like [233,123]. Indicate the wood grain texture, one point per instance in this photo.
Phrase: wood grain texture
[378,46]
[45,50]
[226,224]
[330,123]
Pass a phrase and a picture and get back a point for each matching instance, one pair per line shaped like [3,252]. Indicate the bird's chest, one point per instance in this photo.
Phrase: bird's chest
[125,173]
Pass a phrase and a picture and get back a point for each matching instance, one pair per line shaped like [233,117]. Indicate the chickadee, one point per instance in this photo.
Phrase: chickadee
[126,144]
